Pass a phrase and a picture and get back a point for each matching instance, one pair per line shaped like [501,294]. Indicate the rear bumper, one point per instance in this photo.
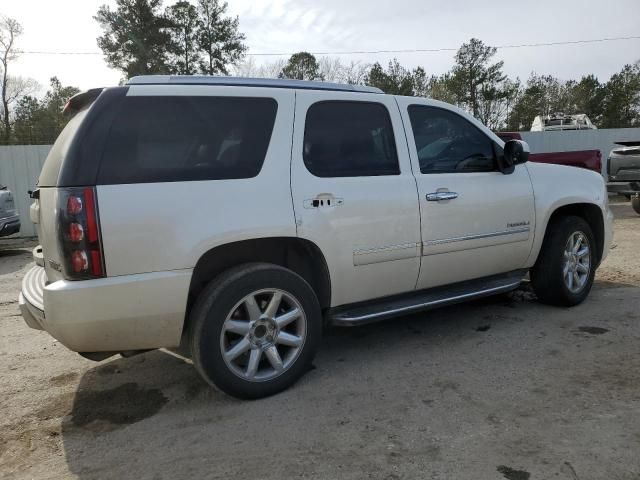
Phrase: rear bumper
[132,312]
[9,225]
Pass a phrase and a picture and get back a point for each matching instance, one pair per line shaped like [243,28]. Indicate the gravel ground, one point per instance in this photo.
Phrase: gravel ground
[499,388]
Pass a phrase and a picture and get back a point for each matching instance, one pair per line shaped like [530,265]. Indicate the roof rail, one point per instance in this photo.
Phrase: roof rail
[248,82]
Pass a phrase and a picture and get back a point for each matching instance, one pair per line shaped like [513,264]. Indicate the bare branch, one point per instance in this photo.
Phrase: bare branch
[18,87]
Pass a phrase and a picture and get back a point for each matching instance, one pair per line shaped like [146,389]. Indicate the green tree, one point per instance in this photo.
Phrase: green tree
[422,83]
[622,99]
[587,96]
[135,37]
[395,80]
[496,103]
[302,66]
[218,38]
[29,116]
[399,80]
[41,121]
[56,98]
[440,89]
[542,95]
[474,79]
[184,26]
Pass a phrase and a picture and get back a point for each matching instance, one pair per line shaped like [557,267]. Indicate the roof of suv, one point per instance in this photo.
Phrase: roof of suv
[248,82]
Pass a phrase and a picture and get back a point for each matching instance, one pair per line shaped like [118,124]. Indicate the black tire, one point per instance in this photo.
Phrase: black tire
[218,300]
[547,276]
[635,203]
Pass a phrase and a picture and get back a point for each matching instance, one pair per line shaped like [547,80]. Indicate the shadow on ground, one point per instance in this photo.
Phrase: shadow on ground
[123,403]
[12,260]
[382,399]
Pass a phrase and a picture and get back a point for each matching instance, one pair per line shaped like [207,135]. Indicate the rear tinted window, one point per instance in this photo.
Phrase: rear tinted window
[171,139]
[349,139]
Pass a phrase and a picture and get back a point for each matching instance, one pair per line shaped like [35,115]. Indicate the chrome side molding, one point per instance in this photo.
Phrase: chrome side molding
[502,233]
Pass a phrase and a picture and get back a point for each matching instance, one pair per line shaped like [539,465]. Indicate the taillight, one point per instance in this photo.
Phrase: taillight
[79,233]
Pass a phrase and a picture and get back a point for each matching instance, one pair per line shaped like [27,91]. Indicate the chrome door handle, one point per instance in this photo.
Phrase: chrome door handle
[440,196]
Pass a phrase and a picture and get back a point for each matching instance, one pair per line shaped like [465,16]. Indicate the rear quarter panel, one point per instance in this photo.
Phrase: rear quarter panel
[153,227]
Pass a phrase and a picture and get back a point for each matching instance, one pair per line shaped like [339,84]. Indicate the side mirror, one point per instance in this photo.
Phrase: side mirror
[515,152]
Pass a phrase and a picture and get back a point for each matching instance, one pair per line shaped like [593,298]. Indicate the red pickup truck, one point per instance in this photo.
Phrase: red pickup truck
[589,159]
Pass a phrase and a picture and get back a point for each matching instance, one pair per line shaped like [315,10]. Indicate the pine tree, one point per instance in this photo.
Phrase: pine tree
[219,40]
[302,66]
[185,26]
[136,39]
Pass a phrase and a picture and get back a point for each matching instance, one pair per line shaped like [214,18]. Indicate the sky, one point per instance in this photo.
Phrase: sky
[288,26]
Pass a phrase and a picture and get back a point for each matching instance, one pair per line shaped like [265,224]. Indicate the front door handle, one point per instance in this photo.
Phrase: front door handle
[441,196]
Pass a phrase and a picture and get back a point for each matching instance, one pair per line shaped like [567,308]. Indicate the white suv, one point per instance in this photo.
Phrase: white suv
[233,218]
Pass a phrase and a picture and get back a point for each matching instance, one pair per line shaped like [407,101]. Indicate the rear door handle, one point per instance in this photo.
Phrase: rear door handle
[323,200]
[441,196]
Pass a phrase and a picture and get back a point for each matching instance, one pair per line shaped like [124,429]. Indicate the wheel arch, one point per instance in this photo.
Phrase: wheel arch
[299,255]
[590,213]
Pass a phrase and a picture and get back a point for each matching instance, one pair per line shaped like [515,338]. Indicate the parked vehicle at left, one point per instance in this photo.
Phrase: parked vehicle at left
[9,217]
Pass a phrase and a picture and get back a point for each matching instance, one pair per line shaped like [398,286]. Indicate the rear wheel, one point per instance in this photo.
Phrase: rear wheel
[564,272]
[255,330]
[635,203]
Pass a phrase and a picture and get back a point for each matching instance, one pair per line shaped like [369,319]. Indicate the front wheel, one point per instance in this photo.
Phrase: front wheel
[255,330]
[565,269]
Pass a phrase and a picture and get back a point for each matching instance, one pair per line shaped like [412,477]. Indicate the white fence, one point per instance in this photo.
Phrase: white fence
[20,167]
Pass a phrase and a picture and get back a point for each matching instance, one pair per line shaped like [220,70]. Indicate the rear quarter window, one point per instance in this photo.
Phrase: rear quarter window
[171,139]
[53,163]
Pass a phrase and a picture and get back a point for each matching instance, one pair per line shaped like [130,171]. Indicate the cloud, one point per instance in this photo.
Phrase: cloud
[341,25]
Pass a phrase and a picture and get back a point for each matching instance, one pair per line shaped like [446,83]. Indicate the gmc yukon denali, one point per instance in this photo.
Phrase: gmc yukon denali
[232,219]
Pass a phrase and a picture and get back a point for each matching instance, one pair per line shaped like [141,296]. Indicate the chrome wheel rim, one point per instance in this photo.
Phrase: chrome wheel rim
[263,335]
[577,262]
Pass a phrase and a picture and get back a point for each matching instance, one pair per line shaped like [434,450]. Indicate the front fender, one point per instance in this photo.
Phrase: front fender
[557,186]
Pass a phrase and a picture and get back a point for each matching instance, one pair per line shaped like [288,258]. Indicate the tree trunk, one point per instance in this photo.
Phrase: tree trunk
[5,104]
[186,55]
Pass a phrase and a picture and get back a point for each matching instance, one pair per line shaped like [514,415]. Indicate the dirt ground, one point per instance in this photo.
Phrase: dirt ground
[499,388]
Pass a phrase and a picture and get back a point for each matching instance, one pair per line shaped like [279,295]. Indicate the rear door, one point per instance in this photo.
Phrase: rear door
[476,221]
[354,194]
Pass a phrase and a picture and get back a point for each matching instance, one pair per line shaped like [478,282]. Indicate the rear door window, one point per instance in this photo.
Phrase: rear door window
[171,139]
[349,139]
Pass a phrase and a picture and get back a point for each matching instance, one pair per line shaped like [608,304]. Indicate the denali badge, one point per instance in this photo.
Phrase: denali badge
[517,224]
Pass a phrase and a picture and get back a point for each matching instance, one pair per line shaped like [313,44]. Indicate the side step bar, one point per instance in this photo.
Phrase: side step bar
[382,309]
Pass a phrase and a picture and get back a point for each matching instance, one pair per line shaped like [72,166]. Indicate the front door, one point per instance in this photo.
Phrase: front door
[476,221]
[354,193]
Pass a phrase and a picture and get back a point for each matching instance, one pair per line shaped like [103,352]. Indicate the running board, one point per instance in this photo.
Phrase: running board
[382,309]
